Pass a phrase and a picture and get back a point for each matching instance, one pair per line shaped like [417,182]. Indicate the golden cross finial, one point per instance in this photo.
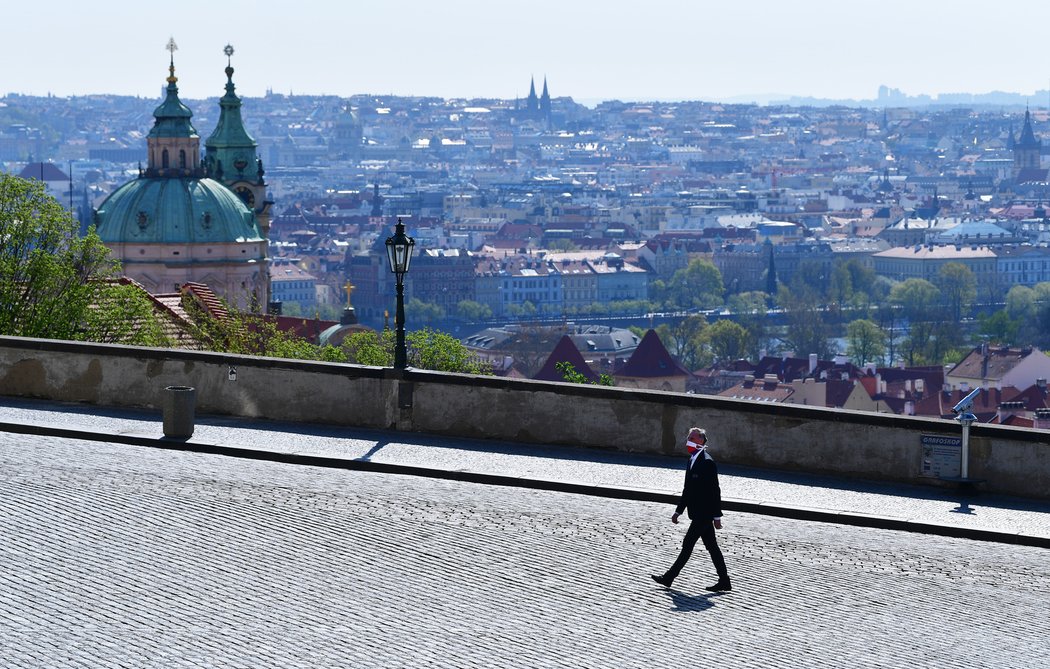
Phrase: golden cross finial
[171,46]
[349,290]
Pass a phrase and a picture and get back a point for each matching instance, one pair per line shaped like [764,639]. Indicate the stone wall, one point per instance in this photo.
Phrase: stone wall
[777,436]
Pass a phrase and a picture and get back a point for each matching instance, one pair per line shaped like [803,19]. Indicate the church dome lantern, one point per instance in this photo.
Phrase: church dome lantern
[174,224]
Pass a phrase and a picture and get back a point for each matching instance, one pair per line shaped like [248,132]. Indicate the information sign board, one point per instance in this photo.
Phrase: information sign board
[941,456]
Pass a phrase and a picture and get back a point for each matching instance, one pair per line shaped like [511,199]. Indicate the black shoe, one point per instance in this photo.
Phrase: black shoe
[723,585]
[663,580]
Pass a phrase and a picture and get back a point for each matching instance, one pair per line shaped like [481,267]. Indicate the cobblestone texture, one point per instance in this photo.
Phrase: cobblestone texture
[117,556]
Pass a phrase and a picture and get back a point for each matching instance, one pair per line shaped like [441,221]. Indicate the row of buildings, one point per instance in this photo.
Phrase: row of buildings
[534,206]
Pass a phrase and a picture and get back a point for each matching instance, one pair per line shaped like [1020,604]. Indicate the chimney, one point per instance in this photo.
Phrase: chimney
[812,363]
[1040,384]
[1042,419]
[1008,409]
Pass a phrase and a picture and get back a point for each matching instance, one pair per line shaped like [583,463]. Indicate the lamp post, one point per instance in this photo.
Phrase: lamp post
[399,255]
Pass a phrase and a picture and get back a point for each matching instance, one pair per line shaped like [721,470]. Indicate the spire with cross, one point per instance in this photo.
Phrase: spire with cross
[172,47]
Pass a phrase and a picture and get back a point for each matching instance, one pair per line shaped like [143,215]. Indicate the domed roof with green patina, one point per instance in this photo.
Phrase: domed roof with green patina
[174,205]
[175,211]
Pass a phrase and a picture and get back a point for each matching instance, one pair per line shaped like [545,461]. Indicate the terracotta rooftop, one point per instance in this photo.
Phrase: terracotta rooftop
[989,362]
[768,389]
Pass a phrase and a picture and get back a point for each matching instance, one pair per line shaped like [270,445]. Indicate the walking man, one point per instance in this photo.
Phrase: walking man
[703,499]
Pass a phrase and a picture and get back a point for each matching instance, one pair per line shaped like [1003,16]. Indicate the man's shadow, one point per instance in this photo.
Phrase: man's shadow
[686,603]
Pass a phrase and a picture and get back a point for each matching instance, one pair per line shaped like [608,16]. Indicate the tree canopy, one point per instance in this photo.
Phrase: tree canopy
[55,283]
[697,286]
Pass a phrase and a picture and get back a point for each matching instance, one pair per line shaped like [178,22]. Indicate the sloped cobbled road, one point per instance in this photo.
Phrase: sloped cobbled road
[117,556]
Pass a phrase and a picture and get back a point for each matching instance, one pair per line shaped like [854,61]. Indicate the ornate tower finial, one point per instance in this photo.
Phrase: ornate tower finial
[172,47]
[228,50]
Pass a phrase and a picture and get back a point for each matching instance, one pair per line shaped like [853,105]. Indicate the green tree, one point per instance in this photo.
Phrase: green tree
[683,338]
[563,245]
[888,317]
[841,289]
[1026,308]
[526,309]
[752,313]
[570,375]
[806,331]
[441,352]
[850,280]
[958,288]
[919,301]
[46,268]
[1036,328]
[473,311]
[1020,302]
[369,347]
[727,340]
[697,286]
[999,327]
[247,333]
[55,283]
[865,342]
[427,349]
[427,313]
[811,275]
[294,309]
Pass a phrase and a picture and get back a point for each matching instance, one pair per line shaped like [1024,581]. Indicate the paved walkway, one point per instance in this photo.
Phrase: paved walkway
[116,555]
[916,508]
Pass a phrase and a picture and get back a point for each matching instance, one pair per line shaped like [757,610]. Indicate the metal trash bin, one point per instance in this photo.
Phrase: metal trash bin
[178,407]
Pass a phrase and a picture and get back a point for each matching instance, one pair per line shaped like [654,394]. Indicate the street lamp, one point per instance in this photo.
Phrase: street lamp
[399,254]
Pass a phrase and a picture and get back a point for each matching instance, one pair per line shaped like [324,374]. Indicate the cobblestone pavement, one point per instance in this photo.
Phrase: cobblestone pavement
[122,556]
[595,467]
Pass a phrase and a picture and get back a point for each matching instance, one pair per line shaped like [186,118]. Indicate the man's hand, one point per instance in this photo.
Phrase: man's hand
[674,519]
[717,523]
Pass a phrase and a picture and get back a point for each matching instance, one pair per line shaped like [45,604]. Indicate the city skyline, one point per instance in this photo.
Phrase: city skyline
[588,51]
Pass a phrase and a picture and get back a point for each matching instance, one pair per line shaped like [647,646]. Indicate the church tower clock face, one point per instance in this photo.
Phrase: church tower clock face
[246,195]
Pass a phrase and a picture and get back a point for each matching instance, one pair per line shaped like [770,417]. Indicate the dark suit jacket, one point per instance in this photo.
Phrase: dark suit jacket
[701,494]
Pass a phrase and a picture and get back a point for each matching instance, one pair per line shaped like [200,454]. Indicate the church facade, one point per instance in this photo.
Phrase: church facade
[193,219]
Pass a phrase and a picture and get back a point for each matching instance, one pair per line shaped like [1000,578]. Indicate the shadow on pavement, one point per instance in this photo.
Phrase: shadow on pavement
[688,603]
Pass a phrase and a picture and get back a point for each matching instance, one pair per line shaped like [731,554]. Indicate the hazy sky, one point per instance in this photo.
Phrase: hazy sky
[590,50]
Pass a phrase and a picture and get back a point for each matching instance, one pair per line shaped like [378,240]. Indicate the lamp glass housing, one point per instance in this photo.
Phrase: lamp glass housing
[399,250]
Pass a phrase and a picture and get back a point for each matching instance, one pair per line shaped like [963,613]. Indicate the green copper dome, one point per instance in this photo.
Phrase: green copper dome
[175,211]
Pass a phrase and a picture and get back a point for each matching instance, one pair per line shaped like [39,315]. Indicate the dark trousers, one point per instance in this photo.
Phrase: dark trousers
[700,529]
